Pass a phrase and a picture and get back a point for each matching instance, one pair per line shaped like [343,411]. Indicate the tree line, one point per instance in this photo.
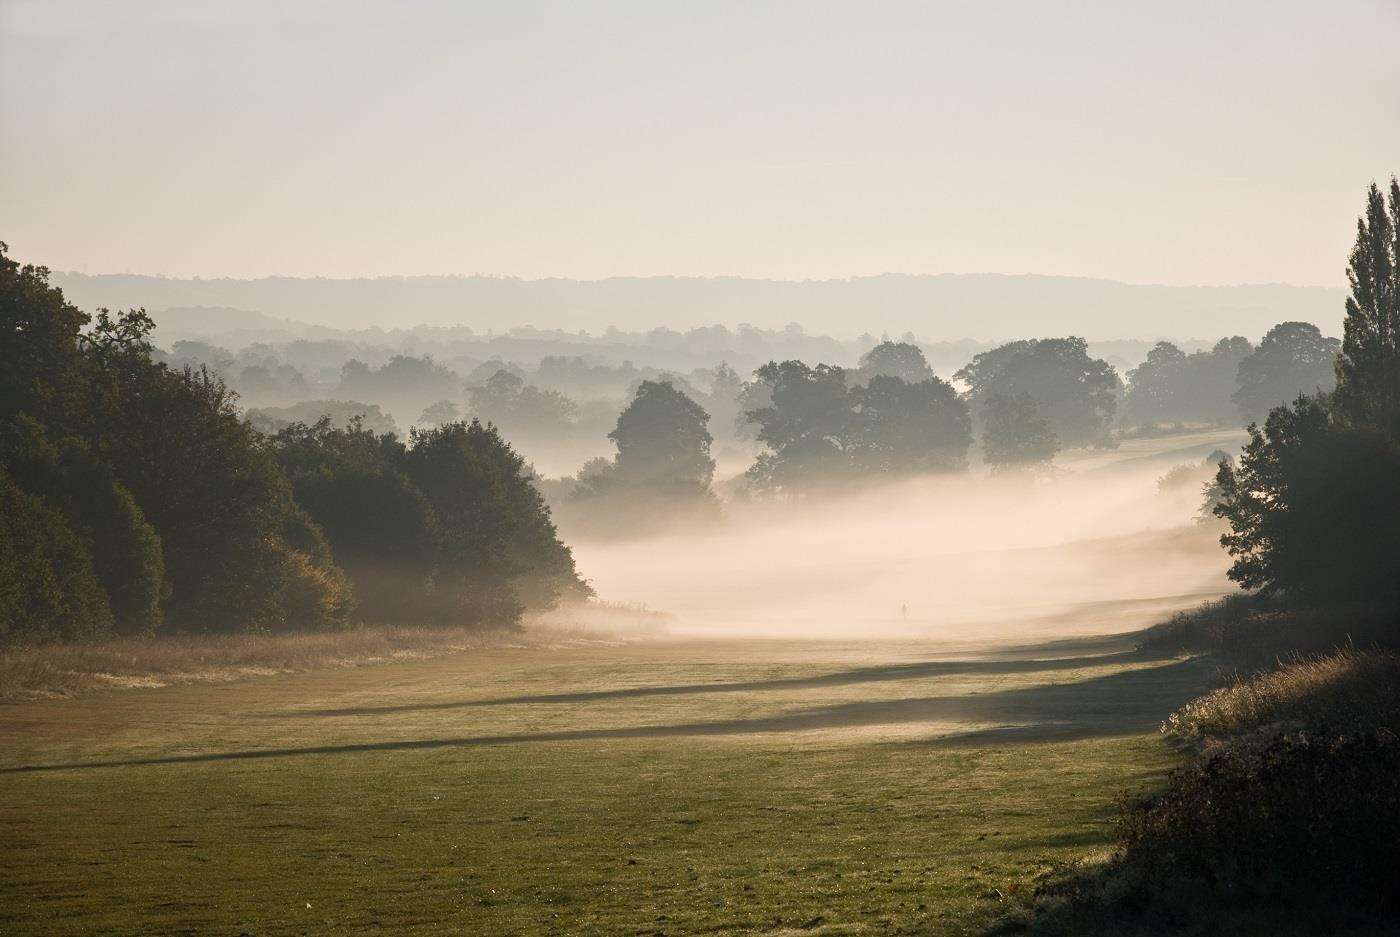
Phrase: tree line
[137,500]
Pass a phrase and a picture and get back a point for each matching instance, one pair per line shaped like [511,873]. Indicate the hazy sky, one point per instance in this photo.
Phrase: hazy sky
[1185,142]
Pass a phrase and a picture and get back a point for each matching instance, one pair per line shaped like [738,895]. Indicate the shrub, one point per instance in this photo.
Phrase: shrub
[48,590]
[1298,816]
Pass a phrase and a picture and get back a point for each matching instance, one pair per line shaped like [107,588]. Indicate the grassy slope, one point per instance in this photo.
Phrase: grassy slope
[644,788]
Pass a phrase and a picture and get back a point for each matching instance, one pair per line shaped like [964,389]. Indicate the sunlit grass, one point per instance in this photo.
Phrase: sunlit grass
[848,787]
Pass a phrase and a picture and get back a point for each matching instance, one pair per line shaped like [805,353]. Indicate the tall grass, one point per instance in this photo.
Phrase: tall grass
[1347,690]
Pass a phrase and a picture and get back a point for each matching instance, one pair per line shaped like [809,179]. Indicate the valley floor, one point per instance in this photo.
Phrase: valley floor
[647,787]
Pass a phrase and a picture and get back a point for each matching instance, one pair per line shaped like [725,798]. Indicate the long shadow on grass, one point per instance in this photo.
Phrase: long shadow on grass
[1116,704]
[838,678]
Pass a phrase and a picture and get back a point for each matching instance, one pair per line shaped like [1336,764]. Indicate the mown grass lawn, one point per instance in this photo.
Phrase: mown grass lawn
[665,788]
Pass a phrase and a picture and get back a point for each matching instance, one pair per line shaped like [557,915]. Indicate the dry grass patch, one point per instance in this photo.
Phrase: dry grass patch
[1347,690]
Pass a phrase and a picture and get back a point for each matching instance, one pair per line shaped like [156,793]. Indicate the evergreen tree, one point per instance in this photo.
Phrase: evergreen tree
[1368,368]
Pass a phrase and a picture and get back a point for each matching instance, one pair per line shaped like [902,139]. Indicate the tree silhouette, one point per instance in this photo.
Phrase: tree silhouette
[1368,369]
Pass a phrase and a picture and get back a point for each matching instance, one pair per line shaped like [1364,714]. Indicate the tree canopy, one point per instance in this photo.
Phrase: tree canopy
[1077,394]
[1293,358]
[1368,368]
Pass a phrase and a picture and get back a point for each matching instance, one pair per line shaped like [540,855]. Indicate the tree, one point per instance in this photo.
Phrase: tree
[48,591]
[724,402]
[807,427]
[1368,368]
[39,331]
[1313,508]
[125,551]
[404,384]
[498,548]
[446,530]
[436,414]
[903,360]
[1157,387]
[906,428]
[1076,394]
[521,409]
[1293,358]
[661,473]
[271,420]
[663,443]
[379,525]
[1210,380]
[1015,435]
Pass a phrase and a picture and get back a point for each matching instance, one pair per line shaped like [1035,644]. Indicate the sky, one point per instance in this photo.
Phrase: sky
[1182,143]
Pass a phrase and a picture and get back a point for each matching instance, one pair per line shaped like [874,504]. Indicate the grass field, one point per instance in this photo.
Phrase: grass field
[649,787]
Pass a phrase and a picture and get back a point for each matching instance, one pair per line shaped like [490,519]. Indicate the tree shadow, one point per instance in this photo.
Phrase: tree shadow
[883,673]
[1115,704]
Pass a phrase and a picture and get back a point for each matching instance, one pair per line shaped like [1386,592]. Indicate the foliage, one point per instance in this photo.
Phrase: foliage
[1014,433]
[904,427]
[48,590]
[1171,386]
[1313,508]
[1156,387]
[662,442]
[438,413]
[125,549]
[807,426]
[1368,368]
[903,360]
[1293,358]
[404,384]
[507,401]
[1290,817]
[39,333]
[1210,381]
[662,471]
[271,420]
[176,506]
[449,531]
[1076,394]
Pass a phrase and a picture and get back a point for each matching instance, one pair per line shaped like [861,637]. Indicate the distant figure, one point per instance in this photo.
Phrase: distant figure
[904,611]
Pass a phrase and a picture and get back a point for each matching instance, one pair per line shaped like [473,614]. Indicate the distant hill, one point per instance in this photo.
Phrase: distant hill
[942,307]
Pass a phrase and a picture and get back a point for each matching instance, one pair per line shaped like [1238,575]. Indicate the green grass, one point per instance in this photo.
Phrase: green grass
[658,788]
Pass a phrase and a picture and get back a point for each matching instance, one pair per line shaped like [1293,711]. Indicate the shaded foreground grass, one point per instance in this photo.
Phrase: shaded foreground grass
[659,788]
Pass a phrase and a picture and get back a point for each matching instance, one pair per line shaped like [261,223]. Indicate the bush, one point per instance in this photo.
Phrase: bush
[1255,632]
[1281,835]
[1214,626]
[306,594]
[48,590]
[1293,817]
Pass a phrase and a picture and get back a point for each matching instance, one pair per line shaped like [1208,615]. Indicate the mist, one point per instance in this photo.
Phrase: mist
[1094,548]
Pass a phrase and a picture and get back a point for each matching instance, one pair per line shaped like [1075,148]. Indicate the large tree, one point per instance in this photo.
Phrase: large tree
[1157,387]
[1293,358]
[903,360]
[904,428]
[663,442]
[1015,436]
[1313,508]
[1210,380]
[807,426]
[1368,368]
[1077,394]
